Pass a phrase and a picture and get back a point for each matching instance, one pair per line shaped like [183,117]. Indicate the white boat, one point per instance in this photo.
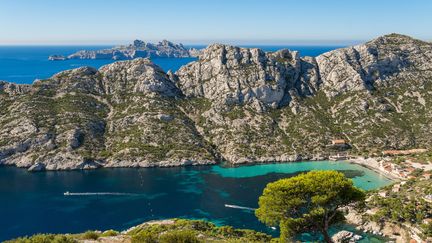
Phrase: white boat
[239,207]
[67,193]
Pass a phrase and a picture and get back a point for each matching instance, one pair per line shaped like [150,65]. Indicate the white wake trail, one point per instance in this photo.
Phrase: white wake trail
[239,207]
[98,194]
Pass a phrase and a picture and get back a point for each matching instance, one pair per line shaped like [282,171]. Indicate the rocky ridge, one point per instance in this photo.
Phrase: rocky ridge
[233,104]
[137,49]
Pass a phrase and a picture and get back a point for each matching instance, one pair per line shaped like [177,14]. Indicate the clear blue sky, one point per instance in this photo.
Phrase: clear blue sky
[204,21]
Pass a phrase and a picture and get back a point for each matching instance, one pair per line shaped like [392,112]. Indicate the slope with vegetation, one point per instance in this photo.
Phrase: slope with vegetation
[165,231]
[233,104]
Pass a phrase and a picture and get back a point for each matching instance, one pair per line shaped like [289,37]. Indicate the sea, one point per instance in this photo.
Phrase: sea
[24,64]
[123,197]
[120,198]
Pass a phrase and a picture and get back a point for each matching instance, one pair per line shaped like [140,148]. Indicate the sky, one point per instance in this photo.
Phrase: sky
[205,21]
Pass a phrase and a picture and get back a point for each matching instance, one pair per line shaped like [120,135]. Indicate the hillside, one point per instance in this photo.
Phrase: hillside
[233,104]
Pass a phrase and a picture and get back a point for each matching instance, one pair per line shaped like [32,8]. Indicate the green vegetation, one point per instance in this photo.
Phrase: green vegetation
[90,235]
[308,202]
[201,104]
[194,231]
[427,229]
[235,112]
[168,231]
[44,238]
[405,205]
[179,236]
[109,233]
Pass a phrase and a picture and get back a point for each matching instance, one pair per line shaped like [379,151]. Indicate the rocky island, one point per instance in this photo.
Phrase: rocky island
[137,49]
[233,104]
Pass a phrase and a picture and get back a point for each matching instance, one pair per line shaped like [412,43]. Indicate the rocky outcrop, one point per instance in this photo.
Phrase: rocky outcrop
[385,61]
[140,76]
[229,75]
[137,49]
[13,89]
[233,104]
[344,236]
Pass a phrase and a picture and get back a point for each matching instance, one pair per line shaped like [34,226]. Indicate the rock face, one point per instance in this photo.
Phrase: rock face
[231,75]
[344,236]
[233,104]
[385,61]
[137,49]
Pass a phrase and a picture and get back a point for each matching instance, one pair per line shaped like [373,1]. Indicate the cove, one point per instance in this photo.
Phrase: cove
[34,202]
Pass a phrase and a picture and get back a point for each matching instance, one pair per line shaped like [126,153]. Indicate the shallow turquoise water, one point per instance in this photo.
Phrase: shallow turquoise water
[368,180]
[34,202]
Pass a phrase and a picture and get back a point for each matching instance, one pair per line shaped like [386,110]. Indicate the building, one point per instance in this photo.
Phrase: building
[340,142]
[403,152]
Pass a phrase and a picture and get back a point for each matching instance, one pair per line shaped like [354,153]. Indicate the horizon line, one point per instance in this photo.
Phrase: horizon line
[192,42]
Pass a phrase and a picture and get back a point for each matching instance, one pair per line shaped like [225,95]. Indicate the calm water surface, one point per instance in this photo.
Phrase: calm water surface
[24,64]
[34,202]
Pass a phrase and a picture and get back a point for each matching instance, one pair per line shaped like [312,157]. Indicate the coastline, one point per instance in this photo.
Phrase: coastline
[369,163]
[373,164]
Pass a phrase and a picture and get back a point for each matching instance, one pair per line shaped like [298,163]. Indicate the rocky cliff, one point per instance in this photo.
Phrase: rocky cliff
[233,104]
[137,49]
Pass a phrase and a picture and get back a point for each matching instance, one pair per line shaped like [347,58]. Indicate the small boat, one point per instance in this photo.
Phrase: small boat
[338,157]
[239,207]
[67,193]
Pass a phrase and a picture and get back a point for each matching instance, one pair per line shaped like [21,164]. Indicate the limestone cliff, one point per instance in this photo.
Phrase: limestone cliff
[232,104]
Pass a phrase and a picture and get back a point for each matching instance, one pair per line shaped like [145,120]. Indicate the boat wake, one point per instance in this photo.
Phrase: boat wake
[99,194]
[239,207]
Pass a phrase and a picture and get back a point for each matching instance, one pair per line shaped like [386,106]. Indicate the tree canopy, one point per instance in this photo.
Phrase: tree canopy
[307,202]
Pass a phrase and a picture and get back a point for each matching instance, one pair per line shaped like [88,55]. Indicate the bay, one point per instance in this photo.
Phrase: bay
[34,202]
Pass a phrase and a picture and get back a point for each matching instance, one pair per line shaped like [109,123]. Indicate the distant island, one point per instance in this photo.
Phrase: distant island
[138,49]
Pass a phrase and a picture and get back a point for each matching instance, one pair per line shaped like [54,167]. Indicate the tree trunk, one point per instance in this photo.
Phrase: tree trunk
[327,238]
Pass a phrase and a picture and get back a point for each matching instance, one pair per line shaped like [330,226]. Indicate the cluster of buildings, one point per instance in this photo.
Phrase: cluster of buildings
[403,172]
[406,168]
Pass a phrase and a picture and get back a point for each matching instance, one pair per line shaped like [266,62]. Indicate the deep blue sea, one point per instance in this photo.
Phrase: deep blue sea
[34,202]
[24,64]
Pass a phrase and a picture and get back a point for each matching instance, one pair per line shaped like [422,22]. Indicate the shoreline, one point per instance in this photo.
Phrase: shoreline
[373,164]
[369,163]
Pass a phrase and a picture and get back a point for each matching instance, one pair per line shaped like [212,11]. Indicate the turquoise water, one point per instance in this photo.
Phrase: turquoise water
[368,181]
[34,202]
[24,64]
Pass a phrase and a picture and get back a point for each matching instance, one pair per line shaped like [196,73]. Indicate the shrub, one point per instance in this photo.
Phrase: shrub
[179,236]
[145,237]
[43,238]
[226,231]
[110,233]
[90,235]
